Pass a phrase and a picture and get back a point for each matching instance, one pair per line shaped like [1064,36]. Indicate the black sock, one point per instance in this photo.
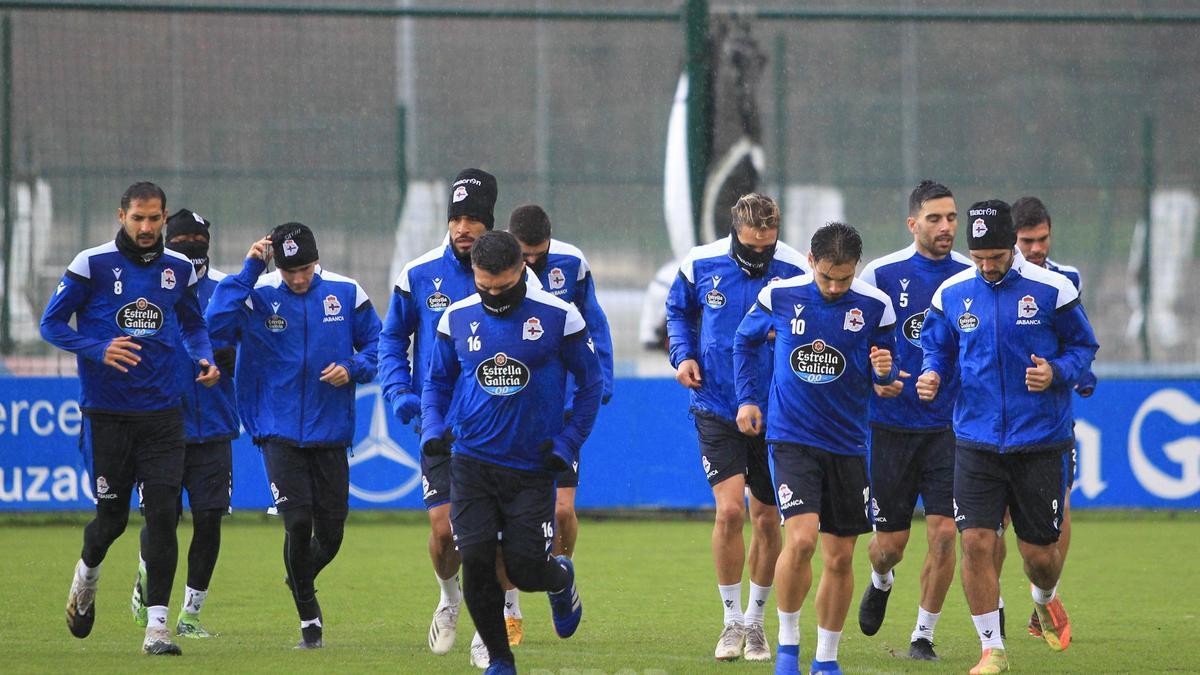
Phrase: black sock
[206,545]
[485,598]
[161,551]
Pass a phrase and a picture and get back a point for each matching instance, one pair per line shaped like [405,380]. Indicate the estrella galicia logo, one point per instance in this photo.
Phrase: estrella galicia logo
[438,301]
[715,298]
[140,318]
[911,328]
[967,322]
[817,362]
[502,375]
[276,323]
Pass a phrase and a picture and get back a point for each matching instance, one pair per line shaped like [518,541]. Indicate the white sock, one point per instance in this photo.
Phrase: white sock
[827,644]
[731,599]
[1042,596]
[156,616]
[310,622]
[1001,602]
[757,606]
[926,622]
[789,627]
[512,604]
[193,600]
[988,628]
[451,596]
[883,583]
[85,573]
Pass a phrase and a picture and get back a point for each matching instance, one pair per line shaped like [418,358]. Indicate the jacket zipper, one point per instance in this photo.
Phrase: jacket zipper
[303,368]
[999,362]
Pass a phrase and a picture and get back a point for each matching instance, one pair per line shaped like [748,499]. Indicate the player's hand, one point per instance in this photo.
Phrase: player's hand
[892,390]
[688,374]
[555,456]
[260,249]
[1039,377]
[440,446]
[226,358]
[750,419]
[406,406]
[335,375]
[881,361]
[928,384]
[122,352]
[209,374]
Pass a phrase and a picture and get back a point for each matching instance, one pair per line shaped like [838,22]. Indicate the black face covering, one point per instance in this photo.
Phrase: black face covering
[539,265]
[504,303]
[754,263]
[196,251]
[130,249]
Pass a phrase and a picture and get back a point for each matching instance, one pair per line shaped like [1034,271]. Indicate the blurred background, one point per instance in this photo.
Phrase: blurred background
[354,124]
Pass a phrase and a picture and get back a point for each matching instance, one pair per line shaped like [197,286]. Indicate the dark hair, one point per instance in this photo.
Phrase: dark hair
[755,210]
[530,224]
[927,190]
[496,252]
[1029,211]
[143,191]
[836,242]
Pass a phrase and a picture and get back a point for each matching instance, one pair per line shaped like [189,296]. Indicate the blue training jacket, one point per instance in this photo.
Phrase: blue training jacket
[706,303]
[286,340]
[209,413]
[910,279]
[988,332]
[1089,380]
[822,381]
[426,287]
[568,277]
[508,378]
[113,296]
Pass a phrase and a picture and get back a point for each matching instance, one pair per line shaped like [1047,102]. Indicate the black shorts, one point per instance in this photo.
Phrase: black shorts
[124,450]
[1031,485]
[835,487]
[1072,463]
[490,502]
[208,475]
[316,477]
[726,452]
[435,480]
[905,464]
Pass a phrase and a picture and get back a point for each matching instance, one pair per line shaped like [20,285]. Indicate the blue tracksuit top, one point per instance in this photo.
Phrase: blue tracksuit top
[568,277]
[426,287]
[706,303]
[286,340]
[987,332]
[822,381]
[1088,381]
[508,378]
[209,413]
[112,296]
[909,279]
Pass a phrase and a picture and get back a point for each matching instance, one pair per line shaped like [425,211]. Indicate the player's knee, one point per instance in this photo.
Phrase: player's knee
[942,536]
[298,523]
[838,561]
[329,532]
[799,549]
[207,521]
[978,543]
[479,558]
[730,516]
[111,523]
[765,522]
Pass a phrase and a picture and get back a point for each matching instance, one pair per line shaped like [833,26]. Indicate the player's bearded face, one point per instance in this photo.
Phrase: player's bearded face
[1034,243]
[464,230]
[934,226]
[992,263]
[832,279]
[143,221]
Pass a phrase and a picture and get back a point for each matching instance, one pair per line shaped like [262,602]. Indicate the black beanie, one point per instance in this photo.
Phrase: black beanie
[186,222]
[294,246]
[990,225]
[473,194]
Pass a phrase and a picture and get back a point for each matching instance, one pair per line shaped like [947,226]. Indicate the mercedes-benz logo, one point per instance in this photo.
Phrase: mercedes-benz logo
[378,443]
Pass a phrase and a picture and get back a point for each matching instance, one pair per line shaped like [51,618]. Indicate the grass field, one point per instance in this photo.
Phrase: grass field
[650,604]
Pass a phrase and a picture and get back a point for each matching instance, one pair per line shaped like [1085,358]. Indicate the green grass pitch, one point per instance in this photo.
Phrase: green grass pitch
[650,604]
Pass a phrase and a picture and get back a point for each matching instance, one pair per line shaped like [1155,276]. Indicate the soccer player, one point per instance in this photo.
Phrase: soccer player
[716,286]
[425,289]
[1032,221]
[131,299]
[1017,340]
[834,337]
[564,273]
[210,424]
[310,336]
[503,355]
[912,443]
